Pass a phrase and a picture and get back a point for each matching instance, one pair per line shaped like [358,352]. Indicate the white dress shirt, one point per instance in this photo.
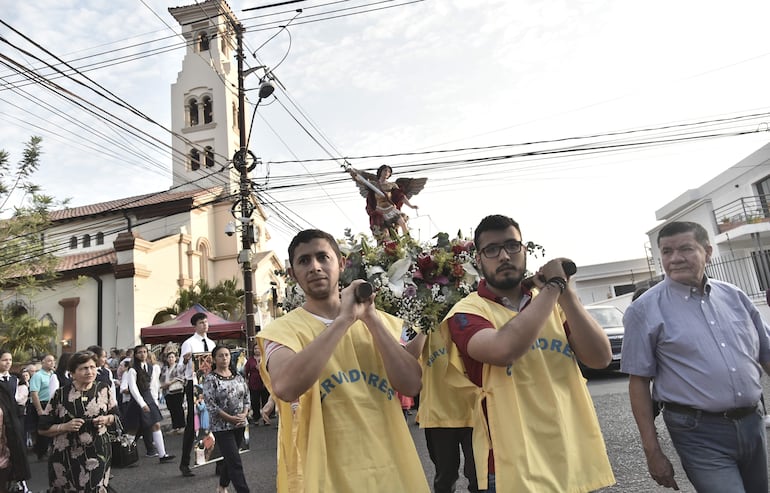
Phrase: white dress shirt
[194,344]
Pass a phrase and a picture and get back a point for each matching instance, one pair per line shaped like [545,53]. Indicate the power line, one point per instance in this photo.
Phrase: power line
[72,97]
[529,143]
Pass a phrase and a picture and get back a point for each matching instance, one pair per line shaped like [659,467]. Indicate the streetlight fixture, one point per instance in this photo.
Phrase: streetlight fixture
[266,88]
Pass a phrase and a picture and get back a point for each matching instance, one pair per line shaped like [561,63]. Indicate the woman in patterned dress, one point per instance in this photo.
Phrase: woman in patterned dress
[227,399]
[77,417]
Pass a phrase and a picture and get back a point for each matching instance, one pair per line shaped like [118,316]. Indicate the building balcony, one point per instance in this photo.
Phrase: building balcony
[743,211]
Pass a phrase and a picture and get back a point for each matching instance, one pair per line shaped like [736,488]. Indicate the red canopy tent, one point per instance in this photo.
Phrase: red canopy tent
[180,328]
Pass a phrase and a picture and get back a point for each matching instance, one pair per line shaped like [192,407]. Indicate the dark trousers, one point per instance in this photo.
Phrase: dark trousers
[229,443]
[258,399]
[174,405]
[444,446]
[189,428]
[41,443]
[5,475]
[149,442]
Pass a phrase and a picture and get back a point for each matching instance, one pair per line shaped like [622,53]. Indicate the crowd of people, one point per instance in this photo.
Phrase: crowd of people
[66,411]
[498,382]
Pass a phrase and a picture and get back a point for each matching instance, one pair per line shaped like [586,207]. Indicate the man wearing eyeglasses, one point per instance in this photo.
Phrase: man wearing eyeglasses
[515,348]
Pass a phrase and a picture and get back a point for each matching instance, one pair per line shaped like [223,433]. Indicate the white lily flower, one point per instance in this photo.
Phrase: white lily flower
[371,270]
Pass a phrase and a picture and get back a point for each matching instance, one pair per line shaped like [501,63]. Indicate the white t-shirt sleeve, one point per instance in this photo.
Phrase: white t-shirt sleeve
[53,384]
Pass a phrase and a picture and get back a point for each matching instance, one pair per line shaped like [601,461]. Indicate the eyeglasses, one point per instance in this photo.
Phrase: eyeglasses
[493,251]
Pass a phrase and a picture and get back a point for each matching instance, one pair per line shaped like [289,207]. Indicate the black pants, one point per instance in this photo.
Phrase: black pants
[5,474]
[189,429]
[41,443]
[258,399]
[444,449]
[149,442]
[174,405]
[229,442]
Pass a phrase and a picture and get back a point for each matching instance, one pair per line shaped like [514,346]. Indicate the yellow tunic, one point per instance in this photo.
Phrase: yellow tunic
[541,422]
[348,433]
[442,405]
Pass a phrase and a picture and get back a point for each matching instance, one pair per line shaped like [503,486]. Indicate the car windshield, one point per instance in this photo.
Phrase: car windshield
[607,317]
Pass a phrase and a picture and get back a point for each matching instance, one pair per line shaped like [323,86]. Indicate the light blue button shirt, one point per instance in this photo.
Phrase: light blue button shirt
[703,351]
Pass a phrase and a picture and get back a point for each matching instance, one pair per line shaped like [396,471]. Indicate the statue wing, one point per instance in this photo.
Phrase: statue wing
[362,188]
[411,186]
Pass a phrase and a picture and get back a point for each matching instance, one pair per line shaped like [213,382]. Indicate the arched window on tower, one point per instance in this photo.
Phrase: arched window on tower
[195,159]
[235,116]
[209,157]
[208,111]
[86,240]
[192,111]
[203,42]
[100,238]
[73,242]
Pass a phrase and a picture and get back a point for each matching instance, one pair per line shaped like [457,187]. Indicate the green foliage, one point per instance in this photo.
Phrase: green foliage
[24,335]
[225,299]
[25,265]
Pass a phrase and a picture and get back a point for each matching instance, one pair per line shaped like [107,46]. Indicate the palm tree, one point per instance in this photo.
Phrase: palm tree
[24,335]
[225,299]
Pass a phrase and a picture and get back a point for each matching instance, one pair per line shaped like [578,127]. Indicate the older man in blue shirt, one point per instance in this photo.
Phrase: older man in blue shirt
[703,344]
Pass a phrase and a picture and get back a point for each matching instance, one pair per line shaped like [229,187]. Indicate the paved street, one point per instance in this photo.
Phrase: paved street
[612,407]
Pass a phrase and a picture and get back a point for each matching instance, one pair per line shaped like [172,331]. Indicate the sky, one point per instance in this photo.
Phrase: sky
[409,78]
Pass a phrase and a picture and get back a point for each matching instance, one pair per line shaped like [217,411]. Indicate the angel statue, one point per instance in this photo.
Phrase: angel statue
[384,199]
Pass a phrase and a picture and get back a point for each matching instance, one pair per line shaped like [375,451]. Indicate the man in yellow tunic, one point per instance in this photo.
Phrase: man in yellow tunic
[446,416]
[333,367]
[534,428]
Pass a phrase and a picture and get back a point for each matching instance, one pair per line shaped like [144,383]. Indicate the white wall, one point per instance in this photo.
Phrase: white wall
[620,302]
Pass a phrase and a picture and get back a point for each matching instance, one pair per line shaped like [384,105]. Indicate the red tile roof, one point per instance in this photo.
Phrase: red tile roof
[89,259]
[129,203]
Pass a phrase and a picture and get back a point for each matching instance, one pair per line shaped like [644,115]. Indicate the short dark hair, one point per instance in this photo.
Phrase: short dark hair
[309,235]
[678,227]
[382,169]
[495,222]
[79,358]
[97,350]
[214,352]
[198,317]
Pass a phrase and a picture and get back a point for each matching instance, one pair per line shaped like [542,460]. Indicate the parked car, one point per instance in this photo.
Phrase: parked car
[611,320]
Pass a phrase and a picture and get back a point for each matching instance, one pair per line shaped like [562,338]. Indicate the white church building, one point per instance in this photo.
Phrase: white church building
[124,261]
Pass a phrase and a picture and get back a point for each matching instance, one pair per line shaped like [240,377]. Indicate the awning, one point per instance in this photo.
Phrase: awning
[180,328]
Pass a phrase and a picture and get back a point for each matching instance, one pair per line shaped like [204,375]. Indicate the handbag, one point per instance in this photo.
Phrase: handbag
[176,387]
[124,450]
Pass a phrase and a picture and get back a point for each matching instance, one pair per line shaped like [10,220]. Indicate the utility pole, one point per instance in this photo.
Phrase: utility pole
[244,207]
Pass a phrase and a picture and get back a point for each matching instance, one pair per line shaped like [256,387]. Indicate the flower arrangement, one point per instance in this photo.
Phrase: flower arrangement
[418,283]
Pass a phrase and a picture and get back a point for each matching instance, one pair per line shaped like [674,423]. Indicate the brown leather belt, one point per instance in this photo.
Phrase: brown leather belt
[737,413]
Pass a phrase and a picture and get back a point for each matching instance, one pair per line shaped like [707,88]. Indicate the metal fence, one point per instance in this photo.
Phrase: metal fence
[750,273]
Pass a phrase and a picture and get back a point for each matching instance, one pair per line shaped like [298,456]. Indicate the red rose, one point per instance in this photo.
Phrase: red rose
[391,247]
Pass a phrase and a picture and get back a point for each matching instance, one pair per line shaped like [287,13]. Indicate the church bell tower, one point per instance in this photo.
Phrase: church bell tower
[204,99]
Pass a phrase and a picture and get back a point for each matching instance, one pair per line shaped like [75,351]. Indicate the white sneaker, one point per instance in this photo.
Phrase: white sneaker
[766,419]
